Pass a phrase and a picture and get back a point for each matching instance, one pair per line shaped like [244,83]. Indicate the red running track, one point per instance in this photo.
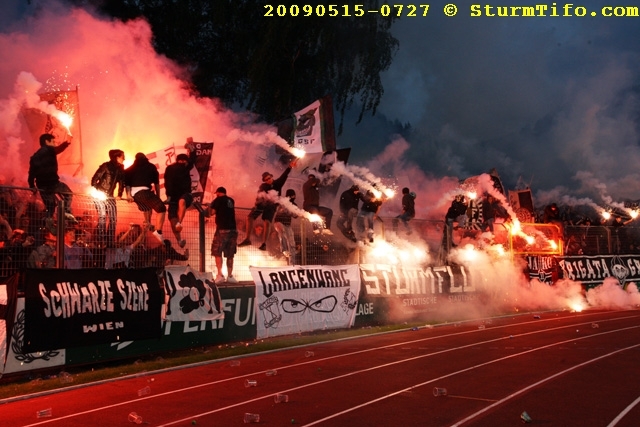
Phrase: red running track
[562,369]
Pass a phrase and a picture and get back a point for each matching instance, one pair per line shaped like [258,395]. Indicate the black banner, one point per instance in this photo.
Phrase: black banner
[69,308]
[592,270]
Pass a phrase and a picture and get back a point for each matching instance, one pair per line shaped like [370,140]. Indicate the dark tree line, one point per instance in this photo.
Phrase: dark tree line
[272,66]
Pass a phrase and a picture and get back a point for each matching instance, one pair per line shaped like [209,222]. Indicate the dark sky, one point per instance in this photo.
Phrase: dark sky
[553,100]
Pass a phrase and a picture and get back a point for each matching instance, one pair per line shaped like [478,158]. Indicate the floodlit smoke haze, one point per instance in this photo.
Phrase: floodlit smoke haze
[551,101]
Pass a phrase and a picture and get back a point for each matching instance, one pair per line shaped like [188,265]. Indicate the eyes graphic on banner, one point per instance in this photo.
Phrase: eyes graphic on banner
[323,305]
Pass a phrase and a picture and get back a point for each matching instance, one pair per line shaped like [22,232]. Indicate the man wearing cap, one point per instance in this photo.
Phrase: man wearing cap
[44,256]
[226,235]
[177,186]
[266,204]
[142,182]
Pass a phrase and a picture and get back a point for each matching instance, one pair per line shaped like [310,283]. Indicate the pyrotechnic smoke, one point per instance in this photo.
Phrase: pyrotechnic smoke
[612,296]
[360,176]
[133,99]
[130,97]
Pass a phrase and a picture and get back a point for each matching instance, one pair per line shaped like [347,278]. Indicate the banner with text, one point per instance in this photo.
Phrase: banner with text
[390,280]
[299,299]
[543,268]
[67,308]
[592,270]
[193,295]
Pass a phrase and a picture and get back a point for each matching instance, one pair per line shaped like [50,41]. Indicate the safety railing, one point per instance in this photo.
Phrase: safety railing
[34,239]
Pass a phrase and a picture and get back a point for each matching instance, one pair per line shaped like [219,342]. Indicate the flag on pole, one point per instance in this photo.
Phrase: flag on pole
[312,128]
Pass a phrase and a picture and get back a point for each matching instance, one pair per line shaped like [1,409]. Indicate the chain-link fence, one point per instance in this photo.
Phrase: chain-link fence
[602,240]
[113,234]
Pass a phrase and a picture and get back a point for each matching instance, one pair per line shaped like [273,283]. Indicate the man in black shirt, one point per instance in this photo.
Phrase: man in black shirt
[177,186]
[226,235]
[43,175]
[142,182]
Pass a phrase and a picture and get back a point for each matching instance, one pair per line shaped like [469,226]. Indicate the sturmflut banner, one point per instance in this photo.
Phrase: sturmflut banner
[193,295]
[297,299]
[70,308]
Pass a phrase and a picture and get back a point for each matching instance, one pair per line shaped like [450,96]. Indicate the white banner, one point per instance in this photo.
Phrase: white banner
[297,299]
[193,295]
[308,128]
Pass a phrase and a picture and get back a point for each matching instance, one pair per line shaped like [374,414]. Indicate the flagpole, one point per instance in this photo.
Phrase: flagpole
[81,165]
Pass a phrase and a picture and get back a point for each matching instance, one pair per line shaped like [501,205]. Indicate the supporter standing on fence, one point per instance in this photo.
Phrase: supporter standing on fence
[368,213]
[311,203]
[43,175]
[109,176]
[142,182]
[226,235]
[266,204]
[177,186]
[282,224]
[349,201]
[408,210]
[457,213]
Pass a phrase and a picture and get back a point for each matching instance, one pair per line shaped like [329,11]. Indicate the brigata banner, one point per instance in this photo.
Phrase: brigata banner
[193,295]
[68,308]
[297,299]
[592,270]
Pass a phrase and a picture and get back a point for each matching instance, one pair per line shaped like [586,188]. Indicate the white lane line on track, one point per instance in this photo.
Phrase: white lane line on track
[479,366]
[200,364]
[381,366]
[542,381]
[622,414]
[269,396]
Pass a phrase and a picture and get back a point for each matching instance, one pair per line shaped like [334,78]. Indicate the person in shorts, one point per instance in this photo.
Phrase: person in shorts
[225,238]
[266,204]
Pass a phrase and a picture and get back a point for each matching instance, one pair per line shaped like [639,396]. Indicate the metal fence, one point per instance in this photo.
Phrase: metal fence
[602,240]
[29,239]
[89,241]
